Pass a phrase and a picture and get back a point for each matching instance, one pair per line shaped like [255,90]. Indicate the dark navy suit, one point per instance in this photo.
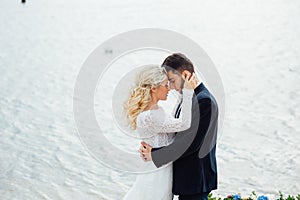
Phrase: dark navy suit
[194,171]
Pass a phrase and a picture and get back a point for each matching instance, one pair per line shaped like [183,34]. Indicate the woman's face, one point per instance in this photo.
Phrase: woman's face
[161,92]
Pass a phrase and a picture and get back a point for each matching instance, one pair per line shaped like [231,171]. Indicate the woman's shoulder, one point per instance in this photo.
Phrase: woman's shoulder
[153,110]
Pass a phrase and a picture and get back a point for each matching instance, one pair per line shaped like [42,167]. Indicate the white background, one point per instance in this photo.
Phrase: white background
[254,45]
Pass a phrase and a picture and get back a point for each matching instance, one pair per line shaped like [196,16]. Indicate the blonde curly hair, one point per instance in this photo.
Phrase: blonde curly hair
[140,96]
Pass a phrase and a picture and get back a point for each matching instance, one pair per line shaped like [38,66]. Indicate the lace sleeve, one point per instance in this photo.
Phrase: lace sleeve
[163,124]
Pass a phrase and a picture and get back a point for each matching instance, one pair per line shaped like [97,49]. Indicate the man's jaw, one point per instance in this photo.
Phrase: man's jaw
[179,91]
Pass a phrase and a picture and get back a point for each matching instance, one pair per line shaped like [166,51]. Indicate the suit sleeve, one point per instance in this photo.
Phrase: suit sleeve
[155,149]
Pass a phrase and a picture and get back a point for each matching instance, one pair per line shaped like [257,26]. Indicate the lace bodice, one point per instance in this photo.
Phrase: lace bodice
[157,128]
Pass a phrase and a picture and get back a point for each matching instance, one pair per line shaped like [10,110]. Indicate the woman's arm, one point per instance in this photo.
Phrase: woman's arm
[162,124]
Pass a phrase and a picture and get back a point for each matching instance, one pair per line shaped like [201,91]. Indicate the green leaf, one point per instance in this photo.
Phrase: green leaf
[290,197]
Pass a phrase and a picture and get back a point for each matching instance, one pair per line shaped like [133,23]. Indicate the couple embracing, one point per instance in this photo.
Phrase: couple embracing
[193,173]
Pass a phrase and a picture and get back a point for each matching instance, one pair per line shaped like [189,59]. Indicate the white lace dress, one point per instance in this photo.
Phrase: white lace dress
[158,129]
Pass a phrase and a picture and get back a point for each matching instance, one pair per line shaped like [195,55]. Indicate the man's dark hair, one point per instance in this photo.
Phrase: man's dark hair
[178,62]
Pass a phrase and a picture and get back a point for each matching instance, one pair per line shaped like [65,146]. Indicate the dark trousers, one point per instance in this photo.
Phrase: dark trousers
[202,196]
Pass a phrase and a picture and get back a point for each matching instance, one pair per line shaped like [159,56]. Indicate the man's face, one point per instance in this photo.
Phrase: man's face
[176,82]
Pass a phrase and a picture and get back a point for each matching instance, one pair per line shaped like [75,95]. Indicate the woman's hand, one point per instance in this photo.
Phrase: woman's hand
[190,80]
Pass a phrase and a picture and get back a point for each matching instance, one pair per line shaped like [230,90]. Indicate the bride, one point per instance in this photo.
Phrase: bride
[158,128]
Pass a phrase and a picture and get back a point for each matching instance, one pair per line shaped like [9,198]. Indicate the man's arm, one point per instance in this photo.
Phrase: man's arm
[189,141]
[183,140]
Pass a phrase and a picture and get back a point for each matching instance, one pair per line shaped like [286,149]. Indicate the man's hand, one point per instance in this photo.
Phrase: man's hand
[145,151]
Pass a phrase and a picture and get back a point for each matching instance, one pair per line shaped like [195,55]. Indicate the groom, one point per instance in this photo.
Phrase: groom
[195,168]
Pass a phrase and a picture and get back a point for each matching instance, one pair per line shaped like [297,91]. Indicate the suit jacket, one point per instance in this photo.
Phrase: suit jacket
[194,150]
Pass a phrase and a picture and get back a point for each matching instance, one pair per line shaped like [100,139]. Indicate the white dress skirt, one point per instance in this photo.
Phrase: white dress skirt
[158,130]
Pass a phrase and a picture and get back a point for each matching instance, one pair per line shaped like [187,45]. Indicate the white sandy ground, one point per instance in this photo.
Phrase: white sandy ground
[254,44]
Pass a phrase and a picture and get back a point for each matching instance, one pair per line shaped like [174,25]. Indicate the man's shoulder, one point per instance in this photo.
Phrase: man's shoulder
[204,95]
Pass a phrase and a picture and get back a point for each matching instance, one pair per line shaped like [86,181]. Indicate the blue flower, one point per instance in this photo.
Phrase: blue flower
[236,197]
[262,198]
